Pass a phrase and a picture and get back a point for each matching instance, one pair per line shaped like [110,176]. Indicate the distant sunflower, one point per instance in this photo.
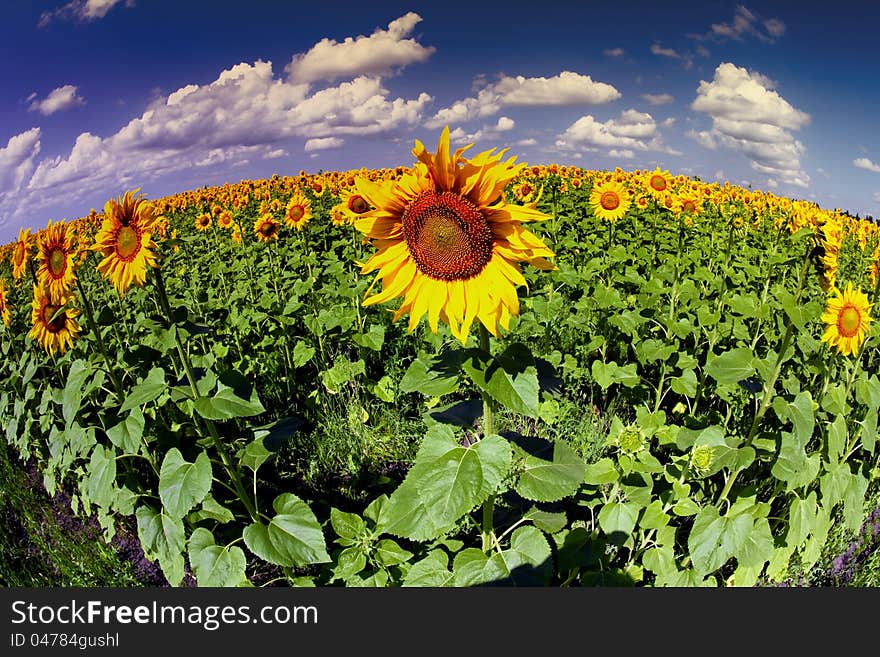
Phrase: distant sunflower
[266,228]
[298,210]
[225,220]
[53,319]
[4,303]
[847,318]
[448,243]
[658,183]
[57,255]
[609,200]
[125,241]
[203,222]
[21,253]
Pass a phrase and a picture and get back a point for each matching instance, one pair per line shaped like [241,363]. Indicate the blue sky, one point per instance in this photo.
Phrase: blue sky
[101,96]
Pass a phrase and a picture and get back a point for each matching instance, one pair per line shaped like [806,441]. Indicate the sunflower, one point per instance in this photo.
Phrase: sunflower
[21,253]
[688,203]
[225,220]
[203,222]
[847,317]
[57,255]
[266,228]
[298,211]
[609,200]
[53,318]
[352,205]
[447,241]
[4,304]
[658,183]
[125,241]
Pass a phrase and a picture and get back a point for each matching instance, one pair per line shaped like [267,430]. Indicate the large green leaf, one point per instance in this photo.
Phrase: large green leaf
[292,538]
[550,480]
[792,465]
[433,376]
[127,434]
[618,519]
[182,485]
[432,571]
[446,481]
[146,391]
[102,477]
[801,518]
[714,539]
[71,396]
[230,402]
[511,378]
[732,366]
[162,537]
[214,565]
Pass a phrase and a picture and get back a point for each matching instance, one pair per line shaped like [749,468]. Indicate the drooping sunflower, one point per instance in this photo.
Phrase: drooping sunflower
[447,241]
[4,303]
[125,241]
[21,253]
[57,255]
[203,222]
[53,318]
[847,318]
[658,183]
[609,200]
[266,228]
[298,210]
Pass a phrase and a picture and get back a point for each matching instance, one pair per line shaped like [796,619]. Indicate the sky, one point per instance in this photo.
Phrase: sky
[102,96]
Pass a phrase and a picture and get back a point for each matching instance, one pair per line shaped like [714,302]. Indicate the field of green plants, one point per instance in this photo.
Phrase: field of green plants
[681,390]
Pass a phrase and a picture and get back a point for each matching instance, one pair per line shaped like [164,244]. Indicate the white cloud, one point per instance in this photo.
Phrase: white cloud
[772,184]
[567,88]
[376,55]
[658,99]
[865,163]
[614,52]
[323,143]
[749,116]
[527,142]
[686,59]
[745,23]
[17,162]
[622,153]
[81,10]
[504,124]
[668,122]
[631,131]
[58,100]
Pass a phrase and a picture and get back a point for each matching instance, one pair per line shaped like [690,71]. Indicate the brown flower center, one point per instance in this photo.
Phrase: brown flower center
[848,321]
[56,325]
[128,243]
[268,229]
[296,213]
[57,262]
[447,236]
[658,183]
[610,200]
[357,204]
[689,206]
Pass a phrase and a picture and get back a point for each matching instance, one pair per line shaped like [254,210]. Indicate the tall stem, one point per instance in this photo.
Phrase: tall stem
[93,327]
[488,531]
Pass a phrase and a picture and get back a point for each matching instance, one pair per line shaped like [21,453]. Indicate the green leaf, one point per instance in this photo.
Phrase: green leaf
[546,521]
[389,553]
[212,510]
[528,562]
[511,378]
[162,538]
[686,384]
[102,477]
[836,437]
[834,484]
[146,391]
[543,480]
[127,434]
[472,567]
[214,565]
[292,538]
[854,501]
[801,519]
[756,547]
[182,485]
[432,571]
[302,353]
[618,519]
[255,454]
[433,376]
[71,396]
[230,402]
[732,366]
[714,539]
[347,525]
[372,339]
[603,471]
[654,517]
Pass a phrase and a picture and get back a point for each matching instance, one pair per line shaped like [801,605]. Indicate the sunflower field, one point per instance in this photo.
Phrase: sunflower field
[461,371]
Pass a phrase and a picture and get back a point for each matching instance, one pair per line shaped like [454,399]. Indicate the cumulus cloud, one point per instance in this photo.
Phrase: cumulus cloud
[81,10]
[749,116]
[58,100]
[865,163]
[658,99]
[487,132]
[378,54]
[17,162]
[631,131]
[527,142]
[323,143]
[745,24]
[567,88]
[504,124]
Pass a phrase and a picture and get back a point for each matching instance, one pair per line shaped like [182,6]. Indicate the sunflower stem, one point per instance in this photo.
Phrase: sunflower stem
[93,327]
[488,533]
[225,457]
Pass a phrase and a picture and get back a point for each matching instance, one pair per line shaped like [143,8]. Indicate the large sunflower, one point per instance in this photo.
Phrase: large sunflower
[658,184]
[298,210]
[847,318]
[57,255]
[266,228]
[21,253]
[609,200]
[53,318]
[448,243]
[4,303]
[125,241]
